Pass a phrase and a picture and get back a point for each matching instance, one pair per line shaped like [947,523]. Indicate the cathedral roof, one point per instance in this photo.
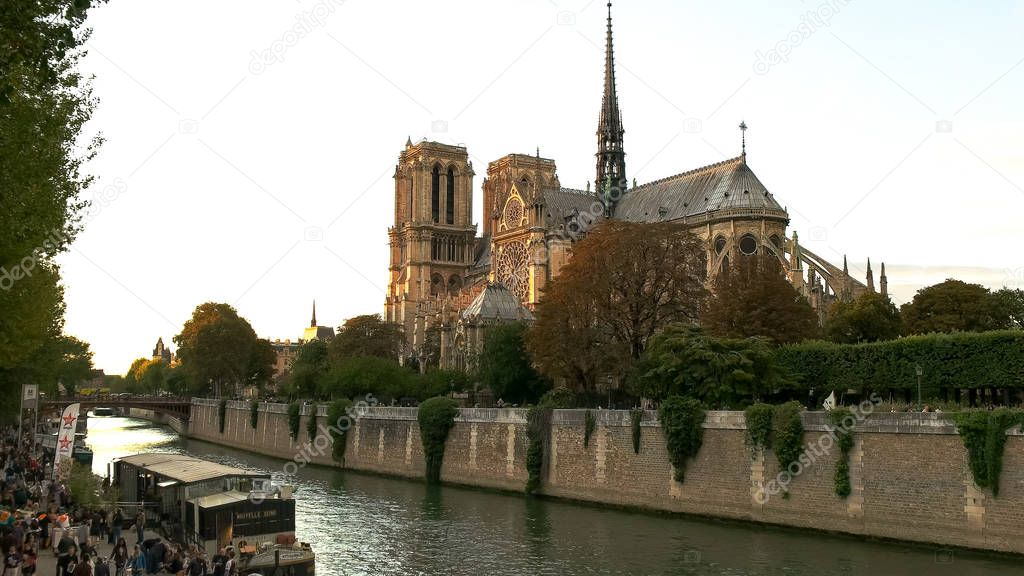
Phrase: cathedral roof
[728,185]
[496,303]
[562,203]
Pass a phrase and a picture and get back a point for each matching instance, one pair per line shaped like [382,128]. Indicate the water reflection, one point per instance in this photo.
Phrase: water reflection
[362,524]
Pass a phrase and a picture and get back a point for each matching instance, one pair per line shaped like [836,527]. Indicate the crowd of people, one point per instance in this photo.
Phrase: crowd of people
[40,516]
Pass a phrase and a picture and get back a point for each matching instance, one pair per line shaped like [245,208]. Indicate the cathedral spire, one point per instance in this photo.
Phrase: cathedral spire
[611,179]
[312,323]
[870,278]
[883,283]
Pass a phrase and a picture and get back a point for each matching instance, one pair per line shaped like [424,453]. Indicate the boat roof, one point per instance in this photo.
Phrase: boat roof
[185,468]
[220,499]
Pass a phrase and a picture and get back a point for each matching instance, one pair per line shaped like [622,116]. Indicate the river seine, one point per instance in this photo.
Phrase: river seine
[362,524]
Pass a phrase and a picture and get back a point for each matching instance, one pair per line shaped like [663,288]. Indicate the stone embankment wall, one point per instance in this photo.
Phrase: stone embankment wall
[909,473]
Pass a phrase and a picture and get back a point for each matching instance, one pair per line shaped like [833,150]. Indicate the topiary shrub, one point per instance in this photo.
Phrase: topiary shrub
[682,422]
[841,417]
[222,412]
[436,416]
[338,425]
[294,418]
[254,413]
[589,423]
[984,435]
[759,425]
[636,416]
[538,420]
[311,427]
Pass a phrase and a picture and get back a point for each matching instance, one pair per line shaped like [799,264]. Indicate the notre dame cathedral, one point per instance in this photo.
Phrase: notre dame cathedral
[447,283]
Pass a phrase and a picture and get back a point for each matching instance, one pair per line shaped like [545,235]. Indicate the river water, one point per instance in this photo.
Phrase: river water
[364,524]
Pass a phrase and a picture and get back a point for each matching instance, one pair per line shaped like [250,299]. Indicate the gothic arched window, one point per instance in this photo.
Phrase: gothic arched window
[435,194]
[450,199]
[436,284]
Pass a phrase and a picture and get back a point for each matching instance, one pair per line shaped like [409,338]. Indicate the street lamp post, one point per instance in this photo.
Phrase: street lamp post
[919,371]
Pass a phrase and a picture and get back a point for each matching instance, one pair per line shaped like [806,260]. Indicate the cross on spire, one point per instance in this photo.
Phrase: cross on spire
[743,136]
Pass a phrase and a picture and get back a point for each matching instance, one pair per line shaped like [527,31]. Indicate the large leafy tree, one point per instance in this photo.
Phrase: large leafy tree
[505,366]
[625,282]
[1012,301]
[721,372]
[261,363]
[867,318]
[367,335]
[356,377]
[44,104]
[754,298]
[215,348]
[955,306]
[309,366]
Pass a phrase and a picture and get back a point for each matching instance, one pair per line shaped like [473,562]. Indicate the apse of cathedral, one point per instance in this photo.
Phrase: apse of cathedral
[447,284]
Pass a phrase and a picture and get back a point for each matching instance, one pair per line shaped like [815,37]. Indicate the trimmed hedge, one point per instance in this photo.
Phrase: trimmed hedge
[958,360]
[436,416]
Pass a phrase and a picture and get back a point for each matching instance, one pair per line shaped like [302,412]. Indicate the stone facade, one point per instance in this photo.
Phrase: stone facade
[909,473]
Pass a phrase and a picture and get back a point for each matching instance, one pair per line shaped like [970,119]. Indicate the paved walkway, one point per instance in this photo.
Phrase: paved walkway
[46,564]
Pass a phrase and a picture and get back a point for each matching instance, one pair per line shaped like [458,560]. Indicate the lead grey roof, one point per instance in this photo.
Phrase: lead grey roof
[730,184]
[563,203]
[496,302]
[185,468]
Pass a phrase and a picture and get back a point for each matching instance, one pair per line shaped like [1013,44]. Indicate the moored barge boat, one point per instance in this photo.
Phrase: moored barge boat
[213,506]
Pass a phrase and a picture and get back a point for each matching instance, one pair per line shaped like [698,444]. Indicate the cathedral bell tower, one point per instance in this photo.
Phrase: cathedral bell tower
[433,239]
[610,182]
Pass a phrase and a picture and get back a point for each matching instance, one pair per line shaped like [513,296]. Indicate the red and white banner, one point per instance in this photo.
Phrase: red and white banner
[65,441]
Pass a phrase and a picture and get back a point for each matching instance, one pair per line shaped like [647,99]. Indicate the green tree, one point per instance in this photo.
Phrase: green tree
[754,298]
[44,105]
[308,368]
[153,376]
[505,367]
[367,335]
[721,372]
[955,306]
[868,318]
[215,348]
[261,363]
[357,377]
[1012,301]
[625,282]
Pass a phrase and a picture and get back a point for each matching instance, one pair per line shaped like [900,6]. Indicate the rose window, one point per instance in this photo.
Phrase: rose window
[513,215]
[513,264]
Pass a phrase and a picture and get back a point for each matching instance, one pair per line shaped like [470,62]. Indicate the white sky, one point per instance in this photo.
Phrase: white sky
[220,167]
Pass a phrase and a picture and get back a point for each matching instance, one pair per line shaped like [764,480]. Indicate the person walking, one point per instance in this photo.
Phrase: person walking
[66,551]
[116,524]
[119,557]
[140,526]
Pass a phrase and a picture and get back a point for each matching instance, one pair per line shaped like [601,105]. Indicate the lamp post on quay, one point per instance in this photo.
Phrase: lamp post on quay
[919,371]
